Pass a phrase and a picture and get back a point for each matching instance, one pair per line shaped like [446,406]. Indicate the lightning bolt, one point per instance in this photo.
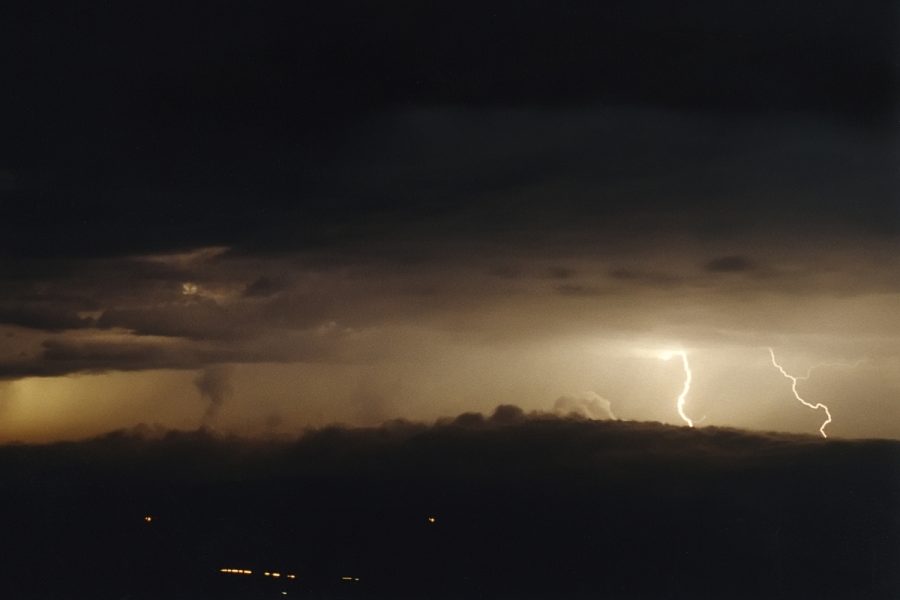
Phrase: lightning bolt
[794,380]
[688,376]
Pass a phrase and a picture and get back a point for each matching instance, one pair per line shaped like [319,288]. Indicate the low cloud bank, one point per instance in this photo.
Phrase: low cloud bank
[525,505]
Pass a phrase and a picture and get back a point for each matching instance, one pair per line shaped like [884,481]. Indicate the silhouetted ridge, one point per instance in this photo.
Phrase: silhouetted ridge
[513,505]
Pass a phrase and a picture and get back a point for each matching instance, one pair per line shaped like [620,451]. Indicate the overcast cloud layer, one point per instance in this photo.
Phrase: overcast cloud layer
[354,213]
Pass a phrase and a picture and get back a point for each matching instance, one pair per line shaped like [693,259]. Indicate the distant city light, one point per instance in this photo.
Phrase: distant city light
[274,574]
[432,520]
[148,519]
[348,578]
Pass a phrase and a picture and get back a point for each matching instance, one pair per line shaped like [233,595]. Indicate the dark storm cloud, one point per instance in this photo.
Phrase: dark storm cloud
[198,319]
[125,352]
[195,310]
[651,278]
[505,272]
[179,198]
[153,133]
[538,439]
[560,273]
[506,414]
[61,357]
[46,317]
[395,186]
[264,287]
[580,290]
[730,264]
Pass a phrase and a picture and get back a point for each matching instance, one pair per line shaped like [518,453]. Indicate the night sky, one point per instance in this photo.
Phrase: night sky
[450,300]
[262,217]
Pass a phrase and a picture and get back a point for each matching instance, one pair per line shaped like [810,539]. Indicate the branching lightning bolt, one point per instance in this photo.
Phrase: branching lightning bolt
[794,380]
[682,398]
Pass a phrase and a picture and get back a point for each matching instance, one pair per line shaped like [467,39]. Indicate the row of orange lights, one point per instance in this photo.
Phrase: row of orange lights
[249,572]
[277,574]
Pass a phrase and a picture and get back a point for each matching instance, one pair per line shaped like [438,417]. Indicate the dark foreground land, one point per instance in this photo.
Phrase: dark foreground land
[521,508]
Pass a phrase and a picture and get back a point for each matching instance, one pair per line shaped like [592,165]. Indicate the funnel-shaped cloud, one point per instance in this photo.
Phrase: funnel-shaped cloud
[214,385]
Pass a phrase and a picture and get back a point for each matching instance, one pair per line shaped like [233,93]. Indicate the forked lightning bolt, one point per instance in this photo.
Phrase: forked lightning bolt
[682,398]
[794,380]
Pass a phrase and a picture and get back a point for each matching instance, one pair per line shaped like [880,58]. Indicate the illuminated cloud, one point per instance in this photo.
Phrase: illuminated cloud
[588,404]
[730,264]
[459,256]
